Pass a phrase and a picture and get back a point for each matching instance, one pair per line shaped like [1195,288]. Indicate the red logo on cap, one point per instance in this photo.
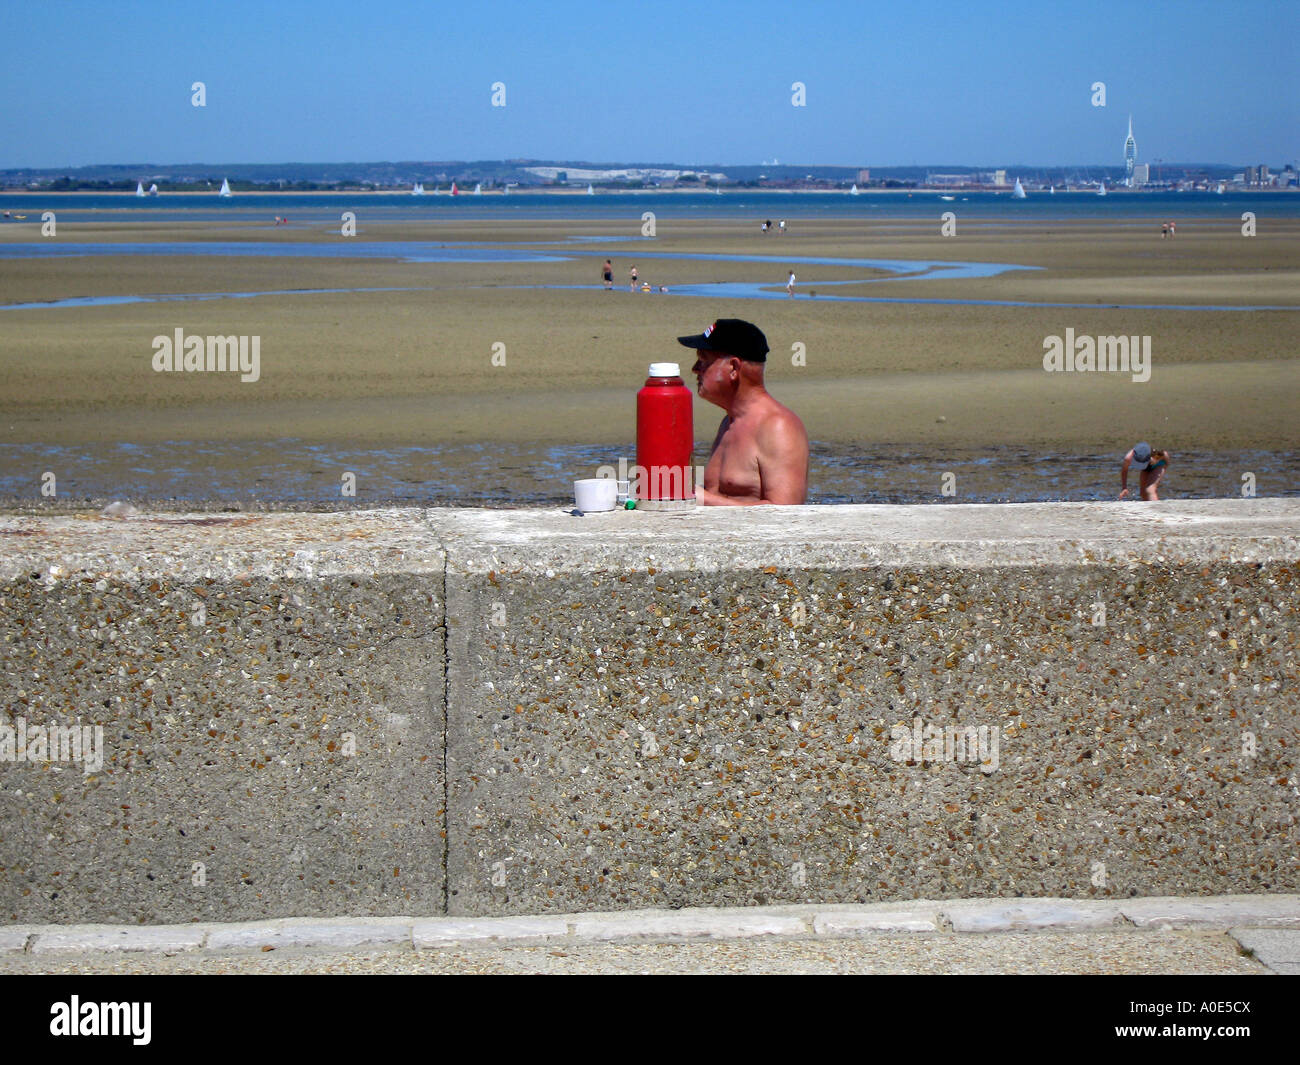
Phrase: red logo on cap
[709,329]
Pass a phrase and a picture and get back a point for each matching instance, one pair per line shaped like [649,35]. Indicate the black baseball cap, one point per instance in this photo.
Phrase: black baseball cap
[731,336]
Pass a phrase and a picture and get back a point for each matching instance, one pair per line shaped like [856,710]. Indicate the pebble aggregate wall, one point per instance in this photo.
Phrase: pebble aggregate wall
[702,708]
[270,690]
[712,712]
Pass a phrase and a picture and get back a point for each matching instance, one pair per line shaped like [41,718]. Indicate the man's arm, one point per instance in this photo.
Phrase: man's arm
[1123,475]
[782,445]
[783,459]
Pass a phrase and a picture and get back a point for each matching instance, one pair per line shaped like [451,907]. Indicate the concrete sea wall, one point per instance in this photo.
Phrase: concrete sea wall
[499,712]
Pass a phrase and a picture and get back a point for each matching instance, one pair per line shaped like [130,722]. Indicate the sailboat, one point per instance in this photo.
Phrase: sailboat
[139,188]
[417,189]
[1101,187]
[454,190]
[1051,190]
[591,191]
[225,188]
[478,190]
[1018,193]
[853,191]
[1219,190]
[153,190]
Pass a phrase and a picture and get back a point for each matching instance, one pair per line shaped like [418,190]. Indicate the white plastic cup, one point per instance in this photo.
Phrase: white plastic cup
[595,494]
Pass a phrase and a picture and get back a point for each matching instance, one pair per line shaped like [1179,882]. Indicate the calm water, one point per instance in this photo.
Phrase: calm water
[985,207]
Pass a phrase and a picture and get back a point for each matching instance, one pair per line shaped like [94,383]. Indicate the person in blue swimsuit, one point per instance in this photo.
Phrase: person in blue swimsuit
[1151,467]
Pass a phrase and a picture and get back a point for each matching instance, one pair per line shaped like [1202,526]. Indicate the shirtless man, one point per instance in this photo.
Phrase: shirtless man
[760,454]
[1151,465]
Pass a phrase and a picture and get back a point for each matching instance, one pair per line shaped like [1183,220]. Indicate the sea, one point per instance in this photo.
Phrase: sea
[980,206]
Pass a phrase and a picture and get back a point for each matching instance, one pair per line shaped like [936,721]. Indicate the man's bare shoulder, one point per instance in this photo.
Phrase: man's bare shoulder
[778,421]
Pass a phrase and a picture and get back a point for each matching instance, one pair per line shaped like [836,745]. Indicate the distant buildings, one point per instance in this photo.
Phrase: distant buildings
[864,177]
[574,175]
[1130,154]
[1141,175]
[1257,176]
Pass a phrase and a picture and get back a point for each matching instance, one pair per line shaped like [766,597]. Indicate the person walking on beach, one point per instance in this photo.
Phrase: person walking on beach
[1164,231]
[780,227]
[607,273]
[760,454]
[632,286]
[789,285]
[1151,467]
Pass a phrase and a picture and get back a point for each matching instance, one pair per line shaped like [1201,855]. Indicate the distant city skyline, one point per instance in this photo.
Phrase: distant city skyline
[733,84]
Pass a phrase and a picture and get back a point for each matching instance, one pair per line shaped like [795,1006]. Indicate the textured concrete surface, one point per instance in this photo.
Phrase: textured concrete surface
[1277,948]
[269,690]
[698,708]
[709,708]
[1033,953]
[1267,911]
[839,938]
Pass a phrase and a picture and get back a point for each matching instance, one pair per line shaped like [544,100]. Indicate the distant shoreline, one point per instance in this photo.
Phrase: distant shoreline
[543,190]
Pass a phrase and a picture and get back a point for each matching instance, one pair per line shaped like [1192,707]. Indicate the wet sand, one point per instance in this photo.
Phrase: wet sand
[415,367]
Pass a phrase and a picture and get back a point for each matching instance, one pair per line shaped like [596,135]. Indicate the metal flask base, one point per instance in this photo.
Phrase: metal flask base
[666,504]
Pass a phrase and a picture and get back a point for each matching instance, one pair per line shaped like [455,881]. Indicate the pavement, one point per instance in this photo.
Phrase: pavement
[1219,935]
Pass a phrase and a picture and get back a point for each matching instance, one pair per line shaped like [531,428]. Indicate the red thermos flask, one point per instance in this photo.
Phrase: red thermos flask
[665,437]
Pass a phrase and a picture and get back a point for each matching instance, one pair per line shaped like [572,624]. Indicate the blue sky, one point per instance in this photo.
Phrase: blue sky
[603,80]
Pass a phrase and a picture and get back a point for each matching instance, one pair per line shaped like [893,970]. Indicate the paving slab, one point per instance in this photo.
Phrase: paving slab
[1269,911]
[686,924]
[876,919]
[13,940]
[329,936]
[157,940]
[991,916]
[1278,948]
[431,934]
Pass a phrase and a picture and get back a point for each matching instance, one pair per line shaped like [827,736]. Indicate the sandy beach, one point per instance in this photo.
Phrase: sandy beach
[413,364]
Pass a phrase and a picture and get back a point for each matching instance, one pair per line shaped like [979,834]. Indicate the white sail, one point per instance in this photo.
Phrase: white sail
[1101,188]
[153,190]
[225,188]
[478,190]
[853,191]
[417,189]
[1019,191]
[139,188]
[591,191]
